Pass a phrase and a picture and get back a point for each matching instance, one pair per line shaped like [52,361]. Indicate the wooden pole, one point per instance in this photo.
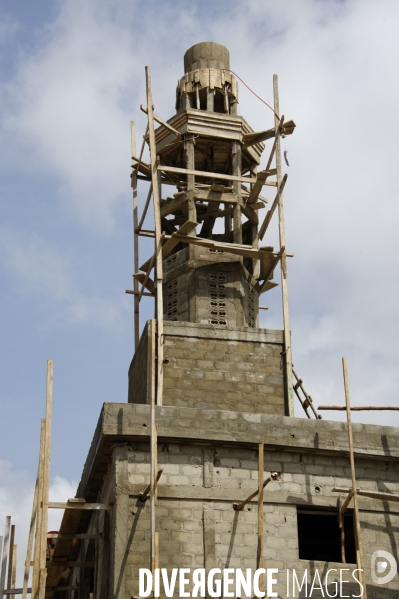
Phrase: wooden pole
[284,287]
[152,345]
[33,519]
[10,557]
[260,511]
[359,549]
[5,556]
[46,479]
[341,522]
[135,240]
[155,175]
[14,566]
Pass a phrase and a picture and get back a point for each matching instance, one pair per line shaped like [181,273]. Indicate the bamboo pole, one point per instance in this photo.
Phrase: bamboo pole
[260,511]
[5,556]
[46,479]
[135,240]
[359,549]
[284,287]
[33,519]
[10,557]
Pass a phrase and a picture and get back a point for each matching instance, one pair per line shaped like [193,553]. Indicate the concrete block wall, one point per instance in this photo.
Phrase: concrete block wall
[204,286]
[197,524]
[207,366]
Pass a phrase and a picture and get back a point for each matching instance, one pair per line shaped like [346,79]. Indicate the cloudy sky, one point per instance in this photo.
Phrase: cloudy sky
[72,77]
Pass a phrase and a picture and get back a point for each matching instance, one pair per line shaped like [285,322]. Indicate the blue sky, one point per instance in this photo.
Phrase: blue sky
[72,76]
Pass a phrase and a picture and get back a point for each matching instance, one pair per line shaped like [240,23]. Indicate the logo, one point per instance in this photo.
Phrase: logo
[380,560]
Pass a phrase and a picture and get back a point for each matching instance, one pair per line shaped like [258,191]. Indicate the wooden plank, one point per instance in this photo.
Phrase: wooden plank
[360,408]
[136,303]
[171,242]
[371,494]
[11,557]
[358,538]
[143,167]
[239,250]
[267,259]
[272,267]
[46,478]
[341,523]
[145,209]
[149,283]
[161,122]
[250,139]
[287,354]
[173,205]
[153,444]
[86,506]
[260,559]
[259,182]
[266,286]
[206,174]
[249,213]
[38,519]
[212,195]
[14,566]
[6,545]
[272,209]
[75,536]
[156,186]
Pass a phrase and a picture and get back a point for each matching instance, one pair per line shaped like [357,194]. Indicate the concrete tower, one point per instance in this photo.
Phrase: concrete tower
[210,295]
[206,466]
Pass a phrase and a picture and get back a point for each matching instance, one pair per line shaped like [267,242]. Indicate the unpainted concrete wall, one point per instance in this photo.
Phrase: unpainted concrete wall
[207,366]
[197,524]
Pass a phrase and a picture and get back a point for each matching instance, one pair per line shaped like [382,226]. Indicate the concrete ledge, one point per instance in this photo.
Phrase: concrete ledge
[210,331]
[125,423]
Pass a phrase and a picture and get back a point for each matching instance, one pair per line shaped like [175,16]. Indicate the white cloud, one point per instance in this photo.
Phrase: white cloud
[46,272]
[16,498]
[66,113]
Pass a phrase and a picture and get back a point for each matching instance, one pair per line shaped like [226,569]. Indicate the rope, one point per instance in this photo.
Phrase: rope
[252,91]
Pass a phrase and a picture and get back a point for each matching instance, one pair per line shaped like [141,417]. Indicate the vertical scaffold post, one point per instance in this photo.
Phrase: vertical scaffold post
[153,442]
[284,287]
[358,539]
[11,557]
[33,519]
[155,176]
[135,240]
[5,556]
[46,479]
[261,450]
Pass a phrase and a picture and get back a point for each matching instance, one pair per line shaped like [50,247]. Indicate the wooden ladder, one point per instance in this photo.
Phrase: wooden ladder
[306,400]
